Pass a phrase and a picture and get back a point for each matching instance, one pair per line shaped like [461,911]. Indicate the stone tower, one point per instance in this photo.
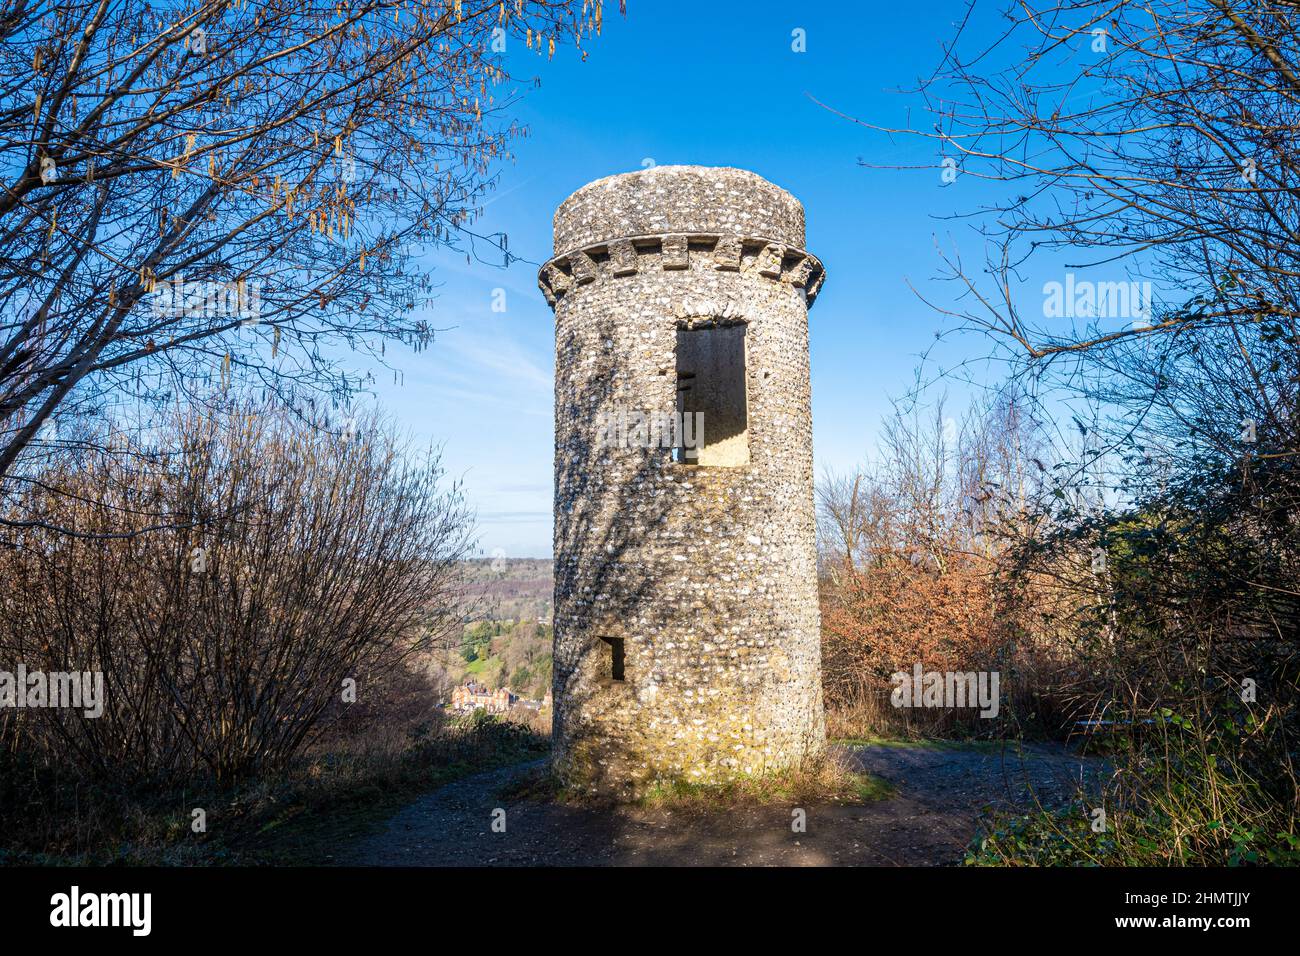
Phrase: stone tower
[687,641]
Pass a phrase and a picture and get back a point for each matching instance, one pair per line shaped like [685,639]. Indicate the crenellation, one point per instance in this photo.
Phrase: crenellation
[582,268]
[728,252]
[624,257]
[771,260]
[674,253]
[802,272]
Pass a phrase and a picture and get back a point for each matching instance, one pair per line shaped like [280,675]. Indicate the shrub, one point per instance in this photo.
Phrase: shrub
[226,575]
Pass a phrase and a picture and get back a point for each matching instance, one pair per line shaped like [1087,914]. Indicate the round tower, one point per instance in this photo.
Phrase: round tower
[687,642]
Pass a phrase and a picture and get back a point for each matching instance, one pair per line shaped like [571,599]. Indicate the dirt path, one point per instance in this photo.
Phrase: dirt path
[941,794]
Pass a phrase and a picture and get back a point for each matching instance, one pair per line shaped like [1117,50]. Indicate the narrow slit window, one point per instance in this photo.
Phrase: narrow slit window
[614,661]
[711,401]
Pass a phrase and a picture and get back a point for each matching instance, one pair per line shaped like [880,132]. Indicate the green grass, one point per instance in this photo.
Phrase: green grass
[1190,791]
[870,788]
[481,664]
[844,787]
[829,781]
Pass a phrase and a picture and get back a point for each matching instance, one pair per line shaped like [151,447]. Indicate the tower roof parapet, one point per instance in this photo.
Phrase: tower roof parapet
[702,200]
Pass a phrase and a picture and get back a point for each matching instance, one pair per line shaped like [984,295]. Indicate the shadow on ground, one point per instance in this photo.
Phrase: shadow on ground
[941,796]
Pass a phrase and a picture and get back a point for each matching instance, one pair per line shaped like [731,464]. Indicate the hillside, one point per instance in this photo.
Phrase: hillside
[509,589]
[506,638]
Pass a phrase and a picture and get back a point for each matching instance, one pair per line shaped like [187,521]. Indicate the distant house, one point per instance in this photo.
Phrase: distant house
[536,705]
[471,696]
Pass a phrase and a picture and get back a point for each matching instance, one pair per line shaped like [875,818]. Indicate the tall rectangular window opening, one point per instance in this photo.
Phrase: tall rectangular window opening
[711,401]
[612,666]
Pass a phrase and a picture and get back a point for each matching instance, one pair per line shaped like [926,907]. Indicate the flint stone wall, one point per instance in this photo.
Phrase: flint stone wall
[707,575]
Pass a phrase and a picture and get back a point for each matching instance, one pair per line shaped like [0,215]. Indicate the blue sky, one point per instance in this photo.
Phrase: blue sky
[713,84]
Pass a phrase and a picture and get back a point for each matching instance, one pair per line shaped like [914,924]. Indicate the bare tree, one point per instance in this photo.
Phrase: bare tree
[1152,136]
[847,514]
[219,188]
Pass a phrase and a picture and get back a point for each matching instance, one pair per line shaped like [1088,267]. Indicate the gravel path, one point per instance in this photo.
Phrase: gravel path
[941,794]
